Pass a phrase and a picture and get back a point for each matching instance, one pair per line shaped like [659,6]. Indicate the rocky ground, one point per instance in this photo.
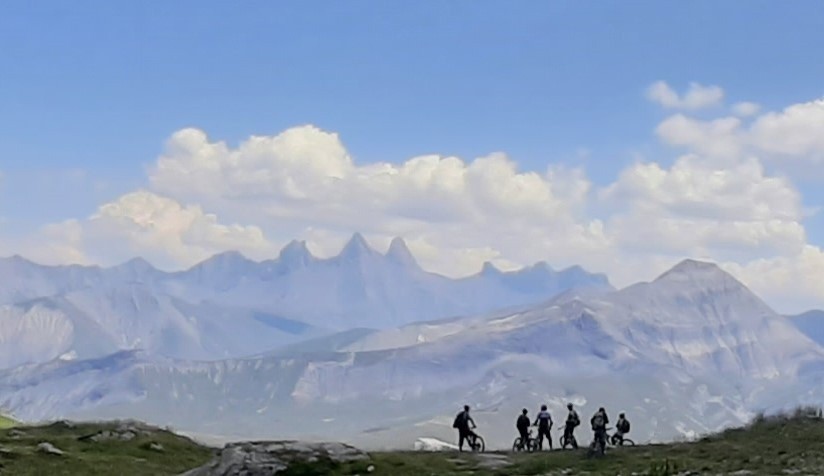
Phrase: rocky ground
[789,445]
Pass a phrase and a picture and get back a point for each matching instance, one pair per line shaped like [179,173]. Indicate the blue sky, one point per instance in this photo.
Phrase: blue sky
[91,90]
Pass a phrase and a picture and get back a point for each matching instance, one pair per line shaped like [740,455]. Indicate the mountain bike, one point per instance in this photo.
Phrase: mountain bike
[615,440]
[476,442]
[564,441]
[531,444]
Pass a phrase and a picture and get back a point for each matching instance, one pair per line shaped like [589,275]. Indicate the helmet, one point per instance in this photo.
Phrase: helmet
[543,408]
[621,415]
[601,409]
[524,411]
[466,407]
[569,405]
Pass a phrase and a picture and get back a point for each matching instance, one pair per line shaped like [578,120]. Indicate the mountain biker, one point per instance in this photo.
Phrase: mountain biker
[621,429]
[544,423]
[572,421]
[523,428]
[599,422]
[461,423]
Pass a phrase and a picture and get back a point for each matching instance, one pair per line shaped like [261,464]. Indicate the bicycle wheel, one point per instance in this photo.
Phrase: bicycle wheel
[628,442]
[533,444]
[479,445]
[516,446]
[562,442]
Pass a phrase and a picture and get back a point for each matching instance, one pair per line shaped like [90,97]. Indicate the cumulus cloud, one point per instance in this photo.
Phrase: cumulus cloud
[793,135]
[745,109]
[146,224]
[793,282]
[720,138]
[715,201]
[696,208]
[303,179]
[696,97]
[797,131]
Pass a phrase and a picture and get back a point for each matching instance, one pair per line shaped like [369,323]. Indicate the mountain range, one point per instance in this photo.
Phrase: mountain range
[229,306]
[691,352]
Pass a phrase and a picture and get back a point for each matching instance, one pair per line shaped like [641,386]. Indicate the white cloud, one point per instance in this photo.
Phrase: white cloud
[793,135]
[719,138]
[745,109]
[797,131]
[716,201]
[794,282]
[148,225]
[696,97]
[303,180]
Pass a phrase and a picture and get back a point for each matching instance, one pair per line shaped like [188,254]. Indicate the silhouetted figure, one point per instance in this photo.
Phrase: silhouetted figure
[462,424]
[544,423]
[523,428]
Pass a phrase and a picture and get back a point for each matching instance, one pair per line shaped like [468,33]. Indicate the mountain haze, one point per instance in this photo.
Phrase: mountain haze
[229,306]
[688,353]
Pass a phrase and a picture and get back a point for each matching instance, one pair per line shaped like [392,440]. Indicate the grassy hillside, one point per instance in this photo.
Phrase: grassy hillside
[773,446]
[19,454]
[6,422]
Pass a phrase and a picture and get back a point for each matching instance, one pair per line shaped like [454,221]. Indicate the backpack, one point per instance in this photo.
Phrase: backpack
[598,421]
[575,420]
[624,426]
[460,420]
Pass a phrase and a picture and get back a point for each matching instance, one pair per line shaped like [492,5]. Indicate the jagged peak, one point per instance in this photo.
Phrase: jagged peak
[399,253]
[295,253]
[489,269]
[355,247]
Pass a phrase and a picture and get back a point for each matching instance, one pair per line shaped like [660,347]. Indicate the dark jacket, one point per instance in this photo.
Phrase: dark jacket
[462,421]
[523,422]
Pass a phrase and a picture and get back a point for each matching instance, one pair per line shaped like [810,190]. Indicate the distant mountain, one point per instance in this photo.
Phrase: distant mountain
[229,306]
[811,323]
[361,287]
[688,353]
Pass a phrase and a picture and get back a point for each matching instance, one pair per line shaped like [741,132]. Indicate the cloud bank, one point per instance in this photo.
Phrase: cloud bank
[715,200]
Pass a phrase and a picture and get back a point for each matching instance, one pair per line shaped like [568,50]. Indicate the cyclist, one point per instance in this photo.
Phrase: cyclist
[544,423]
[523,428]
[572,422]
[461,423]
[621,429]
[599,422]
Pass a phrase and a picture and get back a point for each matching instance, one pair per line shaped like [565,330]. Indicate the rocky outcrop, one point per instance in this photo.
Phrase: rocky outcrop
[124,431]
[269,458]
[49,449]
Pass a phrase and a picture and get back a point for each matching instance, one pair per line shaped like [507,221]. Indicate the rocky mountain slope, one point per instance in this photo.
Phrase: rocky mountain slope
[229,306]
[689,353]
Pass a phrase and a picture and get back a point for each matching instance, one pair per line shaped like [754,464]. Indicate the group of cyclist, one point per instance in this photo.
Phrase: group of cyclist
[599,421]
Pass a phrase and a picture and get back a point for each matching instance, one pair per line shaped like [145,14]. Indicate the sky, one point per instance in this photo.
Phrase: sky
[622,136]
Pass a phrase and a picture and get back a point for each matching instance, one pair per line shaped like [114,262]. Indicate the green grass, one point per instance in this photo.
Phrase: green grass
[124,458]
[6,422]
[789,444]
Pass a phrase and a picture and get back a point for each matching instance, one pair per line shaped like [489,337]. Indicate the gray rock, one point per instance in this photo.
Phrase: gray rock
[49,448]
[269,458]
[156,447]
[16,434]
[124,431]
